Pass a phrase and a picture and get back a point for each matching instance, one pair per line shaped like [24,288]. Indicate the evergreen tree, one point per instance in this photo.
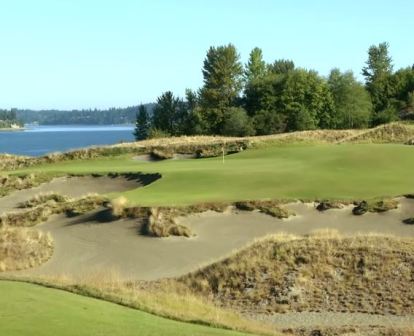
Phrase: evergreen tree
[142,124]
[166,113]
[281,66]
[222,72]
[256,67]
[377,73]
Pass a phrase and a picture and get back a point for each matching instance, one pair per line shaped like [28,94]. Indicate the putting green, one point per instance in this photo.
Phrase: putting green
[27,309]
[346,172]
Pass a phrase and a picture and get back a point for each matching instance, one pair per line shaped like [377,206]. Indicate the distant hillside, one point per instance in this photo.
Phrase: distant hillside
[111,116]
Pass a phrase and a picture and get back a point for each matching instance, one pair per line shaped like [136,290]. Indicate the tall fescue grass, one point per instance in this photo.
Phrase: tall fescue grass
[22,248]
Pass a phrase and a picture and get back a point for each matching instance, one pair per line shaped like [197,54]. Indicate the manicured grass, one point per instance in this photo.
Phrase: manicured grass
[27,309]
[344,172]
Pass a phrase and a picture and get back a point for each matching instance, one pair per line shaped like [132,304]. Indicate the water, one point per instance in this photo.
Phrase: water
[40,140]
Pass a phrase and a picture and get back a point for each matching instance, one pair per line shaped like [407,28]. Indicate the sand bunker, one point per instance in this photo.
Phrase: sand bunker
[83,245]
[151,158]
[72,187]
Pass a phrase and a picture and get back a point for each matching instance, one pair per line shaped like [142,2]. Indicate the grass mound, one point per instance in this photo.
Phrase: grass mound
[325,272]
[396,132]
[22,248]
[69,314]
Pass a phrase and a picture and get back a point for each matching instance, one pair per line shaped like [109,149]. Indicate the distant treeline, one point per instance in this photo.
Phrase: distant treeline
[112,116]
[261,98]
[8,118]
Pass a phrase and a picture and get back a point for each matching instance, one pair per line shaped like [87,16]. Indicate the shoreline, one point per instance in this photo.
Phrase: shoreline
[12,129]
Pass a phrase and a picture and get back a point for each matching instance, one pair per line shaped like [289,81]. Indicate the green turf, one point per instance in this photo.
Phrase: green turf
[27,309]
[279,171]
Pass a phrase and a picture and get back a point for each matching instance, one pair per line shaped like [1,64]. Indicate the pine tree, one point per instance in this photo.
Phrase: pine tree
[142,124]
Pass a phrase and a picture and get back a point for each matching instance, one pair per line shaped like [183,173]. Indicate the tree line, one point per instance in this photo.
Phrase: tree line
[8,118]
[112,116]
[258,98]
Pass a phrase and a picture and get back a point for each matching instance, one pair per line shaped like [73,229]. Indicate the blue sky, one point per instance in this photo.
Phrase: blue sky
[86,53]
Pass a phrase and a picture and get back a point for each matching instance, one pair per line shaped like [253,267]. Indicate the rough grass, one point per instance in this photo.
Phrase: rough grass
[323,272]
[43,208]
[42,199]
[22,248]
[9,183]
[46,311]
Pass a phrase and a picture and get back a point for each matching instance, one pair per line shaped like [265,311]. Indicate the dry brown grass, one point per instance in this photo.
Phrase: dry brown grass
[22,248]
[118,206]
[42,199]
[10,183]
[351,331]
[42,211]
[322,272]
[272,208]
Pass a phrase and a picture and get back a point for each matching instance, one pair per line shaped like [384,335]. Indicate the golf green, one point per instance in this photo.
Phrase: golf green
[343,172]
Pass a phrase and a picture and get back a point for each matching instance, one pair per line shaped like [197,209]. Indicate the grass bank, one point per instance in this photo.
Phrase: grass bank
[29,309]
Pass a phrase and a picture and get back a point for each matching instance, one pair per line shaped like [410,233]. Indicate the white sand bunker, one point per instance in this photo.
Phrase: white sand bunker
[72,187]
[83,245]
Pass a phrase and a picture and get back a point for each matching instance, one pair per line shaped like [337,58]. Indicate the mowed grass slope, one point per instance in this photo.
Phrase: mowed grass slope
[305,171]
[27,309]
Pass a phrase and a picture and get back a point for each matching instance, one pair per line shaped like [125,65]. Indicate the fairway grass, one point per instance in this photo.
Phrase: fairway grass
[27,309]
[305,171]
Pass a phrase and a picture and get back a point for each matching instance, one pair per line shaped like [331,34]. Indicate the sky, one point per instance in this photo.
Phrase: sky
[72,54]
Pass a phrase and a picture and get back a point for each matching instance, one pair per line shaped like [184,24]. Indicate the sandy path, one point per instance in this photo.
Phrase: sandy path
[69,186]
[84,245]
[336,320]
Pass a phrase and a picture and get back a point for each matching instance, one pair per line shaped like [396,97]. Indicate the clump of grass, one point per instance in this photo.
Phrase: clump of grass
[158,224]
[375,206]
[328,204]
[271,208]
[22,248]
[41,213]
[118,206]
[9,183]
[162,154]
[43,198]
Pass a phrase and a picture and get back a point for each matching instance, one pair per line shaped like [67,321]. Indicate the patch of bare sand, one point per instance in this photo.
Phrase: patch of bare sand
[69,186]
[84,245]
